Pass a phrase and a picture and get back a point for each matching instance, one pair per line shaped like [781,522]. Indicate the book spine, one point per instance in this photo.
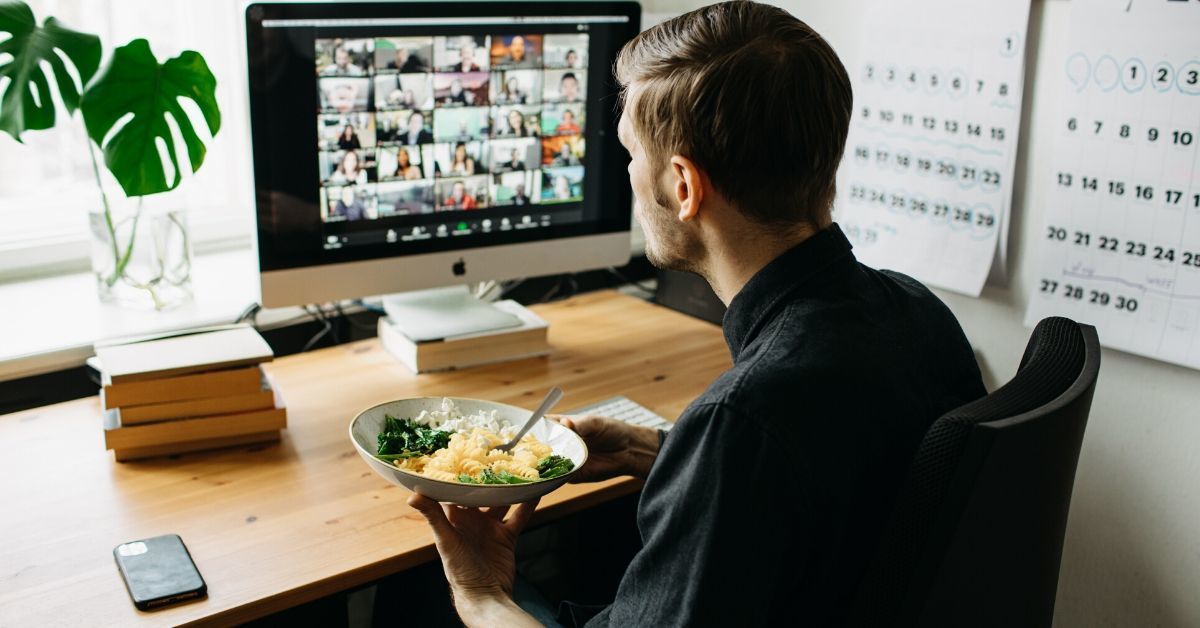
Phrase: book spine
[134,415]
[187,430]
[134,453]
[214,384]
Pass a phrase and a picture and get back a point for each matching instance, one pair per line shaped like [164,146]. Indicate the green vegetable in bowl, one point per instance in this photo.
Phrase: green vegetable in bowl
[404,438]
[548,468]
[554,466]
[493,477]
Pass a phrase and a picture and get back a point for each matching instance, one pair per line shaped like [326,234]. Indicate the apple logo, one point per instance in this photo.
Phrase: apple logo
[459,268]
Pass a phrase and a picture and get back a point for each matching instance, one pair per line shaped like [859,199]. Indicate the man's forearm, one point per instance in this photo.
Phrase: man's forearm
[492,610]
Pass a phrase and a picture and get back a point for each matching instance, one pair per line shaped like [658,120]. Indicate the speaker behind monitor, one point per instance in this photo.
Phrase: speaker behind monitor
[689,293]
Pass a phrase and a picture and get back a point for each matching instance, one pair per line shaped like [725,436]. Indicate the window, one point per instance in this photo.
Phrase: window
[47,186]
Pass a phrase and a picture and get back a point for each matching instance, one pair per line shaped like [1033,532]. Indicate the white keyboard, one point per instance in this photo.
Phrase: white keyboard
[625,409]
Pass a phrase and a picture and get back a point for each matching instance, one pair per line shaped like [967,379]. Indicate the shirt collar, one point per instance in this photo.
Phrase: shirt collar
[786,275]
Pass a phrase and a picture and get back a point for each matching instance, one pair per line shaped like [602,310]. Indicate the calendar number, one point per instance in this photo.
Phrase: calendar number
[1099,298]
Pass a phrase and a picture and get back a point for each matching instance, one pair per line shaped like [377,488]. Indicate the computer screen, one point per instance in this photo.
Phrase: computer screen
[387,130]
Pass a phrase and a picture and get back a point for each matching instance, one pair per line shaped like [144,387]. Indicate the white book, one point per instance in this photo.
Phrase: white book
[529,339]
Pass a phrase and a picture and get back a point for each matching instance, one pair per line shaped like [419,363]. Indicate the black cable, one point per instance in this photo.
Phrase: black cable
[506,289]
[622,277]
[574,286]
[546,298]
[353,323]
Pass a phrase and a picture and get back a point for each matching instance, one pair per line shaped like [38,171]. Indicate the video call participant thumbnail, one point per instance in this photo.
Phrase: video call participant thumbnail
[516,87]
[352,130]
[402,162]
[515,154]
[459,159]
[344,57]
[462,53]
[404,127]
[403,91]
[561,185]
[516,121]
[462,194]
[566,51]
[564,86]
[563,119]
[349,167]
[403,54]
[515,188]
[516,51]
[465,89]
[402,198]
[460,124]
[343,95]
[347,203]
[562,150]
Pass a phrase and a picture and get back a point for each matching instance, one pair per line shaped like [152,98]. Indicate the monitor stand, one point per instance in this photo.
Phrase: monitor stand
[424,315]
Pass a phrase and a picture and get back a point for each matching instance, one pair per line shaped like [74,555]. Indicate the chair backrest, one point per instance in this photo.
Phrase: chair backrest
[977,531]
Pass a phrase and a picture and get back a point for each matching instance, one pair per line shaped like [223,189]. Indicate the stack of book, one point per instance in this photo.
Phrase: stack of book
[188,392]
[528,339]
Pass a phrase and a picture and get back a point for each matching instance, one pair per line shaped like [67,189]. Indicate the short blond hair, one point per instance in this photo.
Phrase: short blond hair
[751,94]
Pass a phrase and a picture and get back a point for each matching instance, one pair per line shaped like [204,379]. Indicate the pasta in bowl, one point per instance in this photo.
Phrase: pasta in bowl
[445,449]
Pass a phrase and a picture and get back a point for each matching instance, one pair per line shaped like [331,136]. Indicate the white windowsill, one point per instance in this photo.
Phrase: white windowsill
[51,324]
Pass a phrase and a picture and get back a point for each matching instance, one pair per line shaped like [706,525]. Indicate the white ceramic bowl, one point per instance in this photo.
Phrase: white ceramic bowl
[365,428]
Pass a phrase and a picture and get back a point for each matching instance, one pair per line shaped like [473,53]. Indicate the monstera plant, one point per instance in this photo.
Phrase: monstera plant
[128,108]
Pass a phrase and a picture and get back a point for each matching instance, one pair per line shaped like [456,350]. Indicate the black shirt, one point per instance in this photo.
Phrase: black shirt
[768,496]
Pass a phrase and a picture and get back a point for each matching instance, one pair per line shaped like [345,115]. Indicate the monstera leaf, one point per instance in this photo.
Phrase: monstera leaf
[134,94]
[27,103]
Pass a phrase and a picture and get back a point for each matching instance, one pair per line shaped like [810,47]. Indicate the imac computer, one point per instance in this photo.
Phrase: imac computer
[402,146]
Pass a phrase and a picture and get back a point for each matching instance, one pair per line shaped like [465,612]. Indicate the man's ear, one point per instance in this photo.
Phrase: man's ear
[687,183]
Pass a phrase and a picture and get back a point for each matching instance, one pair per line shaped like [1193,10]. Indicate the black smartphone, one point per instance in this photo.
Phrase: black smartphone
[159,572]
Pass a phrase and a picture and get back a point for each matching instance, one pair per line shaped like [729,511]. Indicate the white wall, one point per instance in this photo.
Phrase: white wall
[1132,554]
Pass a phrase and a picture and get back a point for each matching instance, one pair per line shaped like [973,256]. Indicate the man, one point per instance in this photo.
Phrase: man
[406,61]
[565,156]
[516,57]
[568,126]
[765,502]
[466,56]
[514,162]
[457,95]
[417,134]
[458,198]
[568,87]
[341,65]
[519,195]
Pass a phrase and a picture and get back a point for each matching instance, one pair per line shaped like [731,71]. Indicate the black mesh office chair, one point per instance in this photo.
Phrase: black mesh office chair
[977,531]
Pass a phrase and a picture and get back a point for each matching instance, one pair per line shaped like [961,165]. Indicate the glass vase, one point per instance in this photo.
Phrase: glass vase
[141,256]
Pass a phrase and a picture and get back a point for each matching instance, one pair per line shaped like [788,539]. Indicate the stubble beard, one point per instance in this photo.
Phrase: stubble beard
[668,246]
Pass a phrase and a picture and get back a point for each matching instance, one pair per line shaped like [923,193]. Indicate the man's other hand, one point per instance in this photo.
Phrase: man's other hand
[477,547]
[615,448]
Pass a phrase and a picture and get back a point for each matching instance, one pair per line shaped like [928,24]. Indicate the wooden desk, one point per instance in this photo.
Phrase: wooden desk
[275,526]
